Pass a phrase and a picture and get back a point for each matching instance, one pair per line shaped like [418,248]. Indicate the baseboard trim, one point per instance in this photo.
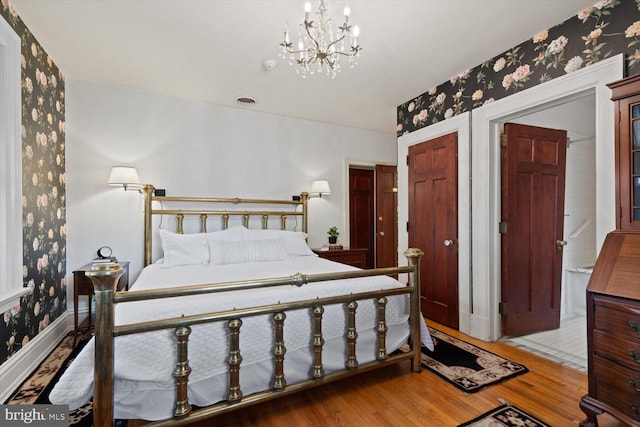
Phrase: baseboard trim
[16,369]
[464,325]
[480,328]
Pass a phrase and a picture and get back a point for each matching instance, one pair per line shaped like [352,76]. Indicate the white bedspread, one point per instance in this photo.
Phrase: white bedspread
[144,387]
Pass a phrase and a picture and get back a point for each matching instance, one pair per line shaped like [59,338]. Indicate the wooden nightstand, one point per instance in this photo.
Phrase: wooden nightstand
[355,257]
[82,285]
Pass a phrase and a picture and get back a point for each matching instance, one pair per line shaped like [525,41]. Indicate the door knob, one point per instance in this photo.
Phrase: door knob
[561,243]
[449,242]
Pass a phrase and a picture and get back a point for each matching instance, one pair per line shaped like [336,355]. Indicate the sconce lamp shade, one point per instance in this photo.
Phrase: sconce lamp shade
[125,176]
[320,187]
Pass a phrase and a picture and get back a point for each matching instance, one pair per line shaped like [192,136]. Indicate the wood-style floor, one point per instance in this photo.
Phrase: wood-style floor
[395,396]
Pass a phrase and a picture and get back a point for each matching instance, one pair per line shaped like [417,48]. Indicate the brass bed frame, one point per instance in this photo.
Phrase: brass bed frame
[105,277]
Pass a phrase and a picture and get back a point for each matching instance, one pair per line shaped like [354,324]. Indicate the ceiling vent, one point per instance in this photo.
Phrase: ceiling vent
[243,100]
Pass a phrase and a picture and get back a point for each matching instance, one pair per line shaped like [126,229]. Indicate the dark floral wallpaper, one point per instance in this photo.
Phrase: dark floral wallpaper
[43,194]
[606,29]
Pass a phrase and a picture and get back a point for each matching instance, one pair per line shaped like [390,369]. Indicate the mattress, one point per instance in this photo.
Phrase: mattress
[143,385]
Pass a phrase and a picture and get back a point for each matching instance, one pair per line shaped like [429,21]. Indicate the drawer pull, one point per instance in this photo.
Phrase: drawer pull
[634,326]
[635,384]
[635,355]
[635,409]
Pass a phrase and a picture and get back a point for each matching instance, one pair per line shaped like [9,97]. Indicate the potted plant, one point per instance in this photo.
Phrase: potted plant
[333,235]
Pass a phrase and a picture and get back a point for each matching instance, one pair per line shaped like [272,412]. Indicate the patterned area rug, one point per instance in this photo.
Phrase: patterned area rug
[505,415]
[36,388]
[466,366]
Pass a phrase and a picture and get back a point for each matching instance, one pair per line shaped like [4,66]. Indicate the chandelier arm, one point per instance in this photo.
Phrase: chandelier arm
[336,41]
[315,42]
[353,53]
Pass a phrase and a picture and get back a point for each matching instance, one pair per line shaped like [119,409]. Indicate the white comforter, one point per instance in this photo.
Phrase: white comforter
[144,387]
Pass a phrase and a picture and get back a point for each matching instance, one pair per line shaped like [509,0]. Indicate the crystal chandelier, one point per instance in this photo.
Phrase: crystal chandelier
[319,47]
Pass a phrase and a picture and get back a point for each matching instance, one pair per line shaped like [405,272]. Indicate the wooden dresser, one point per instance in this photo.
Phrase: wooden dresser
[613,331]
[613,294]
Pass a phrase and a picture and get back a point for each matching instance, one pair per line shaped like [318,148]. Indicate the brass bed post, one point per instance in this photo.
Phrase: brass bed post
[182,371]
[318,342]
[147,189]
[203,223]
[305,217]
[235,394]
[279,381]
[382,328]
[413,257]
[104,278]
[352,335]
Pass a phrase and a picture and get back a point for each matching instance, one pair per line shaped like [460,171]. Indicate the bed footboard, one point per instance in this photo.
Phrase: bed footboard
[105,276]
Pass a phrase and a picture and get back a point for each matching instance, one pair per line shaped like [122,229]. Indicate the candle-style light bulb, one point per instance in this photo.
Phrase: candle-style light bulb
[307,9]
[356,33]
[347,12]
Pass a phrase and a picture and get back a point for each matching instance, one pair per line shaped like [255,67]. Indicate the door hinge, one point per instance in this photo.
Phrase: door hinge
[503,140]
[502,307]
[407,226]
[407,160]
[503,228]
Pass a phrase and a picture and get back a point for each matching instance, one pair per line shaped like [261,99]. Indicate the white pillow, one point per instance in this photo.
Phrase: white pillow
[231,233]
[184,249]
[236,252]
[295,242]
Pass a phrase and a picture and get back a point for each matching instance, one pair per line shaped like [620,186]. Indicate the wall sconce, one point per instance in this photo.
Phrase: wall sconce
[127,176]
[318,188]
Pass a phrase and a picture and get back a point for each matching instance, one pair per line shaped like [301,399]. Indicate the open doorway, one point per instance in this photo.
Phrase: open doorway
[487,124]
[568,344]
[373,213]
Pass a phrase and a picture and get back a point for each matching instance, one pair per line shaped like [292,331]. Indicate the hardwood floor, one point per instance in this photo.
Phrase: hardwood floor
[395,396]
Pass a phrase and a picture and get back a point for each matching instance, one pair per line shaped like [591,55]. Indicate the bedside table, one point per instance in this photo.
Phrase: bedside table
[355,257]
[82,285]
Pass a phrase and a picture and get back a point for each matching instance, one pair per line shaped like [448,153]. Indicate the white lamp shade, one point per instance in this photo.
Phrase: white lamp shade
[124,175]
[320,187]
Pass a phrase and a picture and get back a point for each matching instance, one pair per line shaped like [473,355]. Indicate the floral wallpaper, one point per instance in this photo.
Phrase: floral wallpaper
[606,29]
[43,194]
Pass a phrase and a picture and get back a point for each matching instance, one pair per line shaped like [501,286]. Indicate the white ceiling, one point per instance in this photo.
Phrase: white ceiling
[213,50]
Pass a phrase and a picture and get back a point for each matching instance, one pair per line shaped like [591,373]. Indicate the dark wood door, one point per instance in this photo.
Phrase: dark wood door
[386,216]
[361,211]
[433,225]
[533,180]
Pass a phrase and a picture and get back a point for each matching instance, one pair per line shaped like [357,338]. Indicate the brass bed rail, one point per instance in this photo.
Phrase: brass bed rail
[105,277]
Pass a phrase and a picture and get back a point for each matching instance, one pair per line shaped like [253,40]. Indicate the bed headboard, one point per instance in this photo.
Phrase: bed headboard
[252,210]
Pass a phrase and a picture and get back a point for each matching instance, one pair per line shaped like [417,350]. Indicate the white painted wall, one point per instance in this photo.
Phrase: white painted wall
[192,148]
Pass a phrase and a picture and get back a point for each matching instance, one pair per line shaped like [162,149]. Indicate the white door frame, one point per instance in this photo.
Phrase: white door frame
[462,125]
[485,188]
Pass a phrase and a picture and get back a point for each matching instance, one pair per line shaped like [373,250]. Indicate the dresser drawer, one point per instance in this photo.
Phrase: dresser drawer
[625,352]
[354,257]
[615,318]
[614,387]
